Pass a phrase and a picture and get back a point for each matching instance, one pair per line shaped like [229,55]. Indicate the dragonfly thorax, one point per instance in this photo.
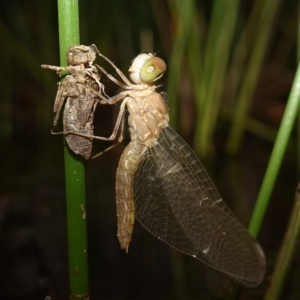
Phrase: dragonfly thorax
[147,115]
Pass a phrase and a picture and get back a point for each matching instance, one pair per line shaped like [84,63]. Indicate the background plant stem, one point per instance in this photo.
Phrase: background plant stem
[74,171]
[284,133]
[286,253]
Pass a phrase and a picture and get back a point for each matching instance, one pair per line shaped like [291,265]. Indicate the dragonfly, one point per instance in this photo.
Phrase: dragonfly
[161,182]
[83,89]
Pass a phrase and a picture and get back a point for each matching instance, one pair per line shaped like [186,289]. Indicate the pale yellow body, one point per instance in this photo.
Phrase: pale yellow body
[147,115]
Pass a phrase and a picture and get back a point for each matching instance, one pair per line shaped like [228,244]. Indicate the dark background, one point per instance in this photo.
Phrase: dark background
[33,253]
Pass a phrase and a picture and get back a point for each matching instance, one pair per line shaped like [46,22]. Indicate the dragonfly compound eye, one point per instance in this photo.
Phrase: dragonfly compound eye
[152,69]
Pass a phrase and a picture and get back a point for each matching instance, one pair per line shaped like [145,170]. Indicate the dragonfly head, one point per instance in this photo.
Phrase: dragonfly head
[146,68]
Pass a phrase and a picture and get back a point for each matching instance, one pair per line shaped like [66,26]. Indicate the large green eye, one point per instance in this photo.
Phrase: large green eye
[152,69]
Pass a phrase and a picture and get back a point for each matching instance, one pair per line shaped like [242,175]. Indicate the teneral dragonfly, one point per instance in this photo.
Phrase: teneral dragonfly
[82,88]
[161,182]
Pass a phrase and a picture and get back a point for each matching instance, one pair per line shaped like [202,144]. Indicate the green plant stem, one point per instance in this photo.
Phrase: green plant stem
[263,29]
[216,60]
[280,146]
[74,171]
[183,12]
[286,253]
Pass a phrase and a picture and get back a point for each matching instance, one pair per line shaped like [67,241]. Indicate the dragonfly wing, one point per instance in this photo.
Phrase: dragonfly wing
[177,202]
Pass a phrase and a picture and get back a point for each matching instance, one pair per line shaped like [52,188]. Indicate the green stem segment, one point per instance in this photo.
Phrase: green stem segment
[183,10]
[286,253]
[74,171]
[263,25]
[217,57]
[288,121]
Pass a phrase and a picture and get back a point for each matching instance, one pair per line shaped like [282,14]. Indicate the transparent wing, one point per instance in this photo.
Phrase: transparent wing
[177,202]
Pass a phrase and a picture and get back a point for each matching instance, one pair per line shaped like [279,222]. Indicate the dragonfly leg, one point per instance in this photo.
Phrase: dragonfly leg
[120,73]
[120,139]
[56,68]
[115,99]
[59,101]
[112,78]
[113,135]
[106,150]
[101,86]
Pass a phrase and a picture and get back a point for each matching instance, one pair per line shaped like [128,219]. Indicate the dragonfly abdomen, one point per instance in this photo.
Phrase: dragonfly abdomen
[124,191]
